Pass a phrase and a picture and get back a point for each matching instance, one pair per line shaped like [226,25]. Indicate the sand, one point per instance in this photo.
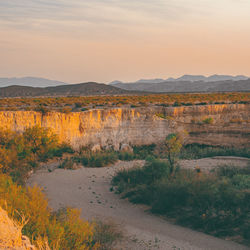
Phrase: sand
[89,190]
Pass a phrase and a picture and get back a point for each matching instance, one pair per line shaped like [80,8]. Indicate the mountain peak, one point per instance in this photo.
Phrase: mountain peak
[29,81]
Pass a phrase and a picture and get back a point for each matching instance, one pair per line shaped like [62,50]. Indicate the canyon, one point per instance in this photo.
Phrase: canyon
[222,124]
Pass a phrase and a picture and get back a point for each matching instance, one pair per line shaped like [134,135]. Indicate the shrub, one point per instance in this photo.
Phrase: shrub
[78,234]
[141,194]
[78,104]
[68,163]
[142,152]
[64,230]
[42,109]
[188,104]
[201,103]
[39,141]
[160,115]
[208,120]
[169,196]
[153,171]
[20,153]
[172,148]
[62,149]
[104,158]
[241,181]
[126,156]
[231,171]
[129,177]
[216,203]
[97,159]
[197,151]
[107,234]
[176,104]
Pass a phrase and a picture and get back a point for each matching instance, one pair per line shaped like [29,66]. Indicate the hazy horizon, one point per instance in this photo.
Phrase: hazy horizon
[79,41]
[120,80]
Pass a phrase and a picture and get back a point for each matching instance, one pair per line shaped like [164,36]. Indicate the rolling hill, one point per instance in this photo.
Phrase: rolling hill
[82,89]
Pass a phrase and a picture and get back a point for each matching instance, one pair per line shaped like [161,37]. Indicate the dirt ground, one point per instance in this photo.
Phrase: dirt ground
[89,189]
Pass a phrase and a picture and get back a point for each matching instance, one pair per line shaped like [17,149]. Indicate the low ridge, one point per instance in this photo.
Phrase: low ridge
[82,89]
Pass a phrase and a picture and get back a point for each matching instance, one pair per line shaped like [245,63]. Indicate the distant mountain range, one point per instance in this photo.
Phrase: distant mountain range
[212,78]
[43,83]
[180,86]
[82,89]
[30,82]
[189,78]
[34,87]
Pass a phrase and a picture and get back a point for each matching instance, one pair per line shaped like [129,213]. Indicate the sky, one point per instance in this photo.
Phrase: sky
[104,40]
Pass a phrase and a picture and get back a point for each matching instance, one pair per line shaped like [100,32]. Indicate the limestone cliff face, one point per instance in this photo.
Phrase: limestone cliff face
[230,126]
[114,127]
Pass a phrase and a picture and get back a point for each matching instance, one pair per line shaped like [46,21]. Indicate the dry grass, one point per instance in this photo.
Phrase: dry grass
[108,234]
[42,243]
[11,235]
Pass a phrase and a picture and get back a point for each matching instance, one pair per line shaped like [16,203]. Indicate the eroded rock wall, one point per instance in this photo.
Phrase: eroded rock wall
[139,126]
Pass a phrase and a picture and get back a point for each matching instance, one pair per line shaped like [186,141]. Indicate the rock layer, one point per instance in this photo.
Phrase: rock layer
[139,126]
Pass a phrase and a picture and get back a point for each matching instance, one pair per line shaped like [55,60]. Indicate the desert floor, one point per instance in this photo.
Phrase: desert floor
[89,190]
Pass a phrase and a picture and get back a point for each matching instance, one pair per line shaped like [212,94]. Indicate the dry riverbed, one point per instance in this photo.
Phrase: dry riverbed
[89,189]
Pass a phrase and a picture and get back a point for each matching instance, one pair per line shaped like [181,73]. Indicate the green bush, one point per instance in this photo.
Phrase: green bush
[142,152]
[160,115]
[231,171]
[20,153]
[140,194]
[97,159]
[126,156]
[152,171]
[197,151]
[176,104]
[156,170]
[201,103]
[208,120]
[169,196]
[105,158]
[78,104]
[68,163]
[130,178]
[241,181]
[42,109]
[216,203]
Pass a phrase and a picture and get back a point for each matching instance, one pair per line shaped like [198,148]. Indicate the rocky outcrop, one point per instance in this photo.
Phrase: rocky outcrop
[228,125]
[10,234]
[126,148]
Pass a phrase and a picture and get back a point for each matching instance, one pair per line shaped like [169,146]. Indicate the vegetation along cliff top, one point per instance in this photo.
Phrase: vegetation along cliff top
[78,104]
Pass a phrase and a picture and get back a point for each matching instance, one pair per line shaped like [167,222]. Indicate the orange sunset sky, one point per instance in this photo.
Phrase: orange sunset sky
[105,40]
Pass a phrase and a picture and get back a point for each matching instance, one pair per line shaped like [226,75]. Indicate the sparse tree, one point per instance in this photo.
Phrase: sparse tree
[173,145]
